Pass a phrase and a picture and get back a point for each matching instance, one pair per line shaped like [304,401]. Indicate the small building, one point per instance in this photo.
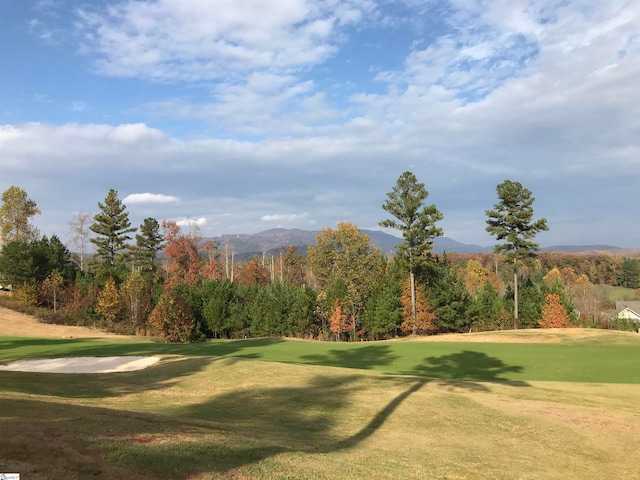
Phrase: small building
[628,310]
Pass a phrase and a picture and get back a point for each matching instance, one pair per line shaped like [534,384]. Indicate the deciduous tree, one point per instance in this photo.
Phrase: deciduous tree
[135,294]
[52,290]
[346,255]
[109,306]
[181,249]
[554,315]
[79,226]
[511,220]
[15,212]
[424,320]
[172,319]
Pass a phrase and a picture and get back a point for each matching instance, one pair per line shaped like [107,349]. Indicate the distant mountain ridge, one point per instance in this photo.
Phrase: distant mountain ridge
[246,245]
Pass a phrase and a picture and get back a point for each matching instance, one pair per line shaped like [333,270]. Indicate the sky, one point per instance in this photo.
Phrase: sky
[245,115]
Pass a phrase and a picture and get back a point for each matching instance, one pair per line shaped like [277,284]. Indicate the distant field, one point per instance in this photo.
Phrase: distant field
[621,293]
[503,405]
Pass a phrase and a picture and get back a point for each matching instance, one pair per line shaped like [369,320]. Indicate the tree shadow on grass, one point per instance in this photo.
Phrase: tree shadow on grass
[103,385]
[365,358]
[26,347]
[244,426]
[467,368]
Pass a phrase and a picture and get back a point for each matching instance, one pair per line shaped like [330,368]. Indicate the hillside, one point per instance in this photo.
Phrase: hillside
[274,240]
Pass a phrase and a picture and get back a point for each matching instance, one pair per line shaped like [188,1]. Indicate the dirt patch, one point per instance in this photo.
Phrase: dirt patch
[14,324]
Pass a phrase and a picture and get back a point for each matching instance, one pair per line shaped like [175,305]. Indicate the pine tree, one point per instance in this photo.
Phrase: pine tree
[512,220]
[112,226]
[416,221]
[145,252]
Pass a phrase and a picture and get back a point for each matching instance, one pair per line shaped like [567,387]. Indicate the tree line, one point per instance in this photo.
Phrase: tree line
[164,280]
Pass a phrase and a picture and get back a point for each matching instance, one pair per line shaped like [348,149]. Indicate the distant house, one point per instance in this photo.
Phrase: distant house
[628,310]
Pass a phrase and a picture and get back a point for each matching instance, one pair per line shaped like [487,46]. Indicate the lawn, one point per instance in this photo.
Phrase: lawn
[273,408]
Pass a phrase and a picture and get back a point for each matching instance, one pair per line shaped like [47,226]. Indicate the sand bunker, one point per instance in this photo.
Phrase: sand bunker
[82,364]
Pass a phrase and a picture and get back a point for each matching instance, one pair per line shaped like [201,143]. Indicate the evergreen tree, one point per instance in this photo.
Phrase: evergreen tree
[630,275]
[487,310]
[416,221]
[384,311]
[112,226]
[145,252]
[512,220]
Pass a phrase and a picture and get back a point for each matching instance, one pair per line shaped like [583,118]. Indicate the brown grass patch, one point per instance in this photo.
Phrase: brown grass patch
[549,335]
[15,324]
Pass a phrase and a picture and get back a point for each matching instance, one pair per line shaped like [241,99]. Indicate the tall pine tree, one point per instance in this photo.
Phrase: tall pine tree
[416,221]
[511,220]
[111,226]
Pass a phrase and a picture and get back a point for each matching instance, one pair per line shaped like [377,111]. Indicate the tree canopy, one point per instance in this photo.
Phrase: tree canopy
[511,220]
[416,221]
[15,212]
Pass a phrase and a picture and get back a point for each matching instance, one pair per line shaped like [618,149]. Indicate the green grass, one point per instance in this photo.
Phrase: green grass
[575,361]
[616,294]
[276,409]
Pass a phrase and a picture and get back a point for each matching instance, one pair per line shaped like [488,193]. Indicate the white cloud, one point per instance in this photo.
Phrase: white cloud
[136,198]
[284,217]
[191,222]
[543,92]
[188,39]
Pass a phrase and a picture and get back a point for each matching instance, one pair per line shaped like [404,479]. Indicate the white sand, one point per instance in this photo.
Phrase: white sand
[82,364]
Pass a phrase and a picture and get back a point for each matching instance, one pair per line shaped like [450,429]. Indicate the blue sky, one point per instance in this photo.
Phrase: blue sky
[245,115]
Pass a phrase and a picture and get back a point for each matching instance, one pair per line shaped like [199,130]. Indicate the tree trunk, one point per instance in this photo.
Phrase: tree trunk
[516,320]
[413,303]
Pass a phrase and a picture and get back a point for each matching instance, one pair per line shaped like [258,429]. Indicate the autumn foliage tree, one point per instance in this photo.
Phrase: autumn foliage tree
[52,290]
[15,212]
[172,319]
[253,274]
[109,306]
[475,276]
[345,256]
[135,294]
[424,320]
[339,322]
[181,249]
[554,315]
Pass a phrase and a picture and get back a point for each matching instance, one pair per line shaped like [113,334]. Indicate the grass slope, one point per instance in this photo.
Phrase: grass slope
[227,410]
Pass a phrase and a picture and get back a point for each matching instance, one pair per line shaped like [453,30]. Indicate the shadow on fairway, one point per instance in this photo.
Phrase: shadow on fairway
[244,426]
[364,358]
[24,347]
[467,368]
[103,385]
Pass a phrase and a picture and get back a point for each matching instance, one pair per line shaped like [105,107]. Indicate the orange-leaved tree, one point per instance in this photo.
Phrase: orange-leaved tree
[554,315]
[424,321]
[181,249]
[339,322]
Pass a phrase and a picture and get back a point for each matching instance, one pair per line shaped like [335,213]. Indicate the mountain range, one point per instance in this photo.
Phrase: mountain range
[272,241]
